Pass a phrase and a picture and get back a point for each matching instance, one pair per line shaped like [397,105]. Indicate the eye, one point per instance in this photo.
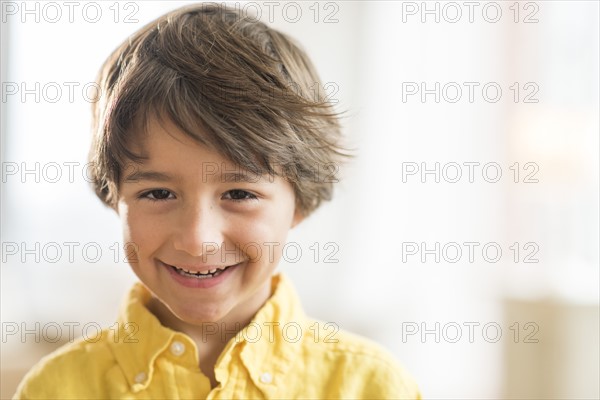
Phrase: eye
[156,195]
[239,195]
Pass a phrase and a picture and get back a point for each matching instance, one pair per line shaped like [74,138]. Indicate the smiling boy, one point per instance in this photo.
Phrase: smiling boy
[206,143]
[178,215]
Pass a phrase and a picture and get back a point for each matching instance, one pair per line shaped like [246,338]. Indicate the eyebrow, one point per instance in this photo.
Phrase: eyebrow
[156,176]
[239,177]
[148,176]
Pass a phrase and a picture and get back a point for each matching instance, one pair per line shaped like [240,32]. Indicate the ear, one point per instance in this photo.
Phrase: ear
[298,217]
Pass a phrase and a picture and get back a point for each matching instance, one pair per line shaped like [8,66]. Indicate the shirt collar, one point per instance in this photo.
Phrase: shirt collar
[267,346]
[138,339]
[271,342]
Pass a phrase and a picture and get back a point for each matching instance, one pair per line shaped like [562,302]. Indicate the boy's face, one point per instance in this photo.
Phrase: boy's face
[188,208]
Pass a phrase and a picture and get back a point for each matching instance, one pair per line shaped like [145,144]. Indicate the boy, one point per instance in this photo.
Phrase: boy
[206,143]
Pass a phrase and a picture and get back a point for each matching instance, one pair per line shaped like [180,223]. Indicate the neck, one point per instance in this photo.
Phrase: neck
[211,337]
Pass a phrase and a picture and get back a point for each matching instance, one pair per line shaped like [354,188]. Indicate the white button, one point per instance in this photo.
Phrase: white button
[177,348]
[140,378]
[266,377]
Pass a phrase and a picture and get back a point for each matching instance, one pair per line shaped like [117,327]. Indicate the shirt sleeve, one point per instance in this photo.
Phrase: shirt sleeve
[38,383]
[75,371]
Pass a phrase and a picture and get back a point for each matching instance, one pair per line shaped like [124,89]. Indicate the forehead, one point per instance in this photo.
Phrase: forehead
[160,140]
[171,155]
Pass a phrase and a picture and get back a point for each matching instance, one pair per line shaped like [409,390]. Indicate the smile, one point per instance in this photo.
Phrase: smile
[201,275]
[191,277]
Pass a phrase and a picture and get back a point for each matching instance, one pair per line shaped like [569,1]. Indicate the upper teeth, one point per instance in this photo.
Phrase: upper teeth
[212,271]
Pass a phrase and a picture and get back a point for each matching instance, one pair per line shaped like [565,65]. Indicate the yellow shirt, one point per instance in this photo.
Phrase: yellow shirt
[281,354]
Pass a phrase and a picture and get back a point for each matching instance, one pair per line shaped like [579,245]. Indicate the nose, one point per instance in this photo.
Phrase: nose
[198,230]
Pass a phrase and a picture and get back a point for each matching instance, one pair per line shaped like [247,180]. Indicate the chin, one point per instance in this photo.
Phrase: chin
[201,315]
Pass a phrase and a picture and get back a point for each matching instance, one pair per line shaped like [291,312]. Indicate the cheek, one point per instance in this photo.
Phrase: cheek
[140,233]
[262,236]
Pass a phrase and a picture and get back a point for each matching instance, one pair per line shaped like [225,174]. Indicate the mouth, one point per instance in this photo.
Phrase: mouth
[211,276]
[200,275]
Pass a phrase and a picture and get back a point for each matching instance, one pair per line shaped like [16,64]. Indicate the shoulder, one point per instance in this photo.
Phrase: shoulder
[329,362]
[75,370]
[359,367]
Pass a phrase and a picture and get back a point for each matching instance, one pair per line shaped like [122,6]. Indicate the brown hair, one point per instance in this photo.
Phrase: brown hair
[231,83]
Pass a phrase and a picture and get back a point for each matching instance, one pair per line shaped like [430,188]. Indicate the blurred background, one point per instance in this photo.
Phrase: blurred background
[463,238]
